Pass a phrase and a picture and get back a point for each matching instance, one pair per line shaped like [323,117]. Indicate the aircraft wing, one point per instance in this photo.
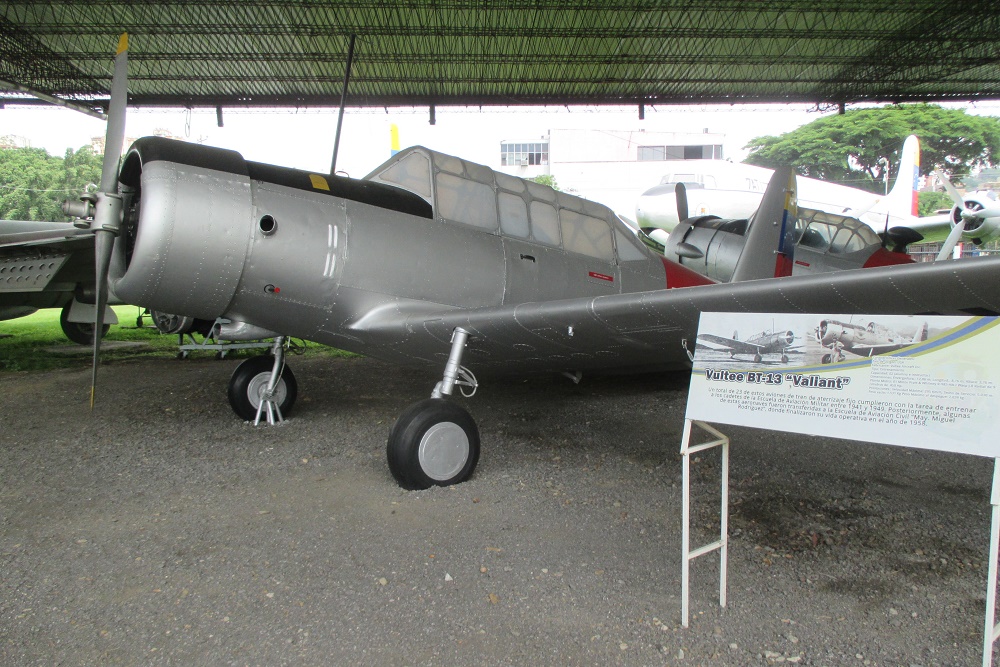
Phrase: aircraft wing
[934,228]
[26,233]
[738,346]
[872,350]
[647,330]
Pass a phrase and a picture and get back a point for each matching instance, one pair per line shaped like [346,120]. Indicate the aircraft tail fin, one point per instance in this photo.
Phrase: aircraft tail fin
[902,198]
[393,139]
[767,252]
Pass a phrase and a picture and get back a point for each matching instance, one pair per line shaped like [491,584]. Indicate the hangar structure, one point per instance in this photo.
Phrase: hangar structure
[237,53]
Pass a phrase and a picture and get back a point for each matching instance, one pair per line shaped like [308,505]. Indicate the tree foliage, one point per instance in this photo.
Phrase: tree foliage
[930,202]
[546,179]
[33,184]
[857,147]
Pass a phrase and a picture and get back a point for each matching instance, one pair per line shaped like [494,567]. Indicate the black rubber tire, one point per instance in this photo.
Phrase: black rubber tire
[81,333]
[403,447]
[243,380]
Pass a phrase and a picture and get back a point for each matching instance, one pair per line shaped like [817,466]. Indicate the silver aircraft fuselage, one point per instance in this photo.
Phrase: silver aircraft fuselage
[328,258]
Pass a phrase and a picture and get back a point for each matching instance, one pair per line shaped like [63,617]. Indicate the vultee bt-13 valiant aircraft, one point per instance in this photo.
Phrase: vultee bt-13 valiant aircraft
[864,341]
[724,189]
[734,190]
[438,262]
[765,342]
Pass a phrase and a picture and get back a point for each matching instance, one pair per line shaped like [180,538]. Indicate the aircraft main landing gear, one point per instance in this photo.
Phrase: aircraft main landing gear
[263,386]
[81,333]
[434,441]
[835,356]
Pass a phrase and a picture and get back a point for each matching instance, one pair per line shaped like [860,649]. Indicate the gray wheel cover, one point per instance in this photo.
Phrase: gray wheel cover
[443,451]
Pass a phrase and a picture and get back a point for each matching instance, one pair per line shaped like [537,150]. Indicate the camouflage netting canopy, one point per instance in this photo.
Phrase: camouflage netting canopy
[503,52]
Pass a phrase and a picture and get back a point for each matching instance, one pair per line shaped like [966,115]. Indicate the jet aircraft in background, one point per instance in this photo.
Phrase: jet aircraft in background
[765,342]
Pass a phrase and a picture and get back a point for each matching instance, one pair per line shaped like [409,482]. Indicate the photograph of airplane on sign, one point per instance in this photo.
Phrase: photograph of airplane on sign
[937,392]
[811,340]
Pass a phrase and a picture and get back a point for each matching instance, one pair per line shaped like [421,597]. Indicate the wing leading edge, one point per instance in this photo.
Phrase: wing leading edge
[649,330]
[738,346]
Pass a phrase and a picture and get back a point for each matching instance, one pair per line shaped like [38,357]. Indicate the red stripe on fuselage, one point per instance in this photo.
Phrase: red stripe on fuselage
[782,265]
[681,276]
[883,257]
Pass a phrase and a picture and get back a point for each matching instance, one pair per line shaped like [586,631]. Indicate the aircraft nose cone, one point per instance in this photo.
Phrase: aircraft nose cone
[789,337]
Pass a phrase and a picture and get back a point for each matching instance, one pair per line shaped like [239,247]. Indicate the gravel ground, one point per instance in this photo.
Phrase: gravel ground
[161,530]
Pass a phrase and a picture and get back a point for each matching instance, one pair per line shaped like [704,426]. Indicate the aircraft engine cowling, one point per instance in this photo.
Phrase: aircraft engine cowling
[707,244]
[830,332]
[186,230]
[984,225]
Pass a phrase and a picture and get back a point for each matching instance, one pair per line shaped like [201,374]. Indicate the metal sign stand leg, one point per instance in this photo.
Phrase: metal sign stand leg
[722,544]
[991,631]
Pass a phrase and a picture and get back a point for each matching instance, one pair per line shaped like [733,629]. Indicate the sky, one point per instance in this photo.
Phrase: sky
[304,138]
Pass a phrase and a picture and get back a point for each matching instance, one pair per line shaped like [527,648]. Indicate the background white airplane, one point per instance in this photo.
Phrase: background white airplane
[732,190]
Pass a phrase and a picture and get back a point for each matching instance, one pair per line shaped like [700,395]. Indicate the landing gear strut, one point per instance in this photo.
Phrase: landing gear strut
[263,387]
[434,441]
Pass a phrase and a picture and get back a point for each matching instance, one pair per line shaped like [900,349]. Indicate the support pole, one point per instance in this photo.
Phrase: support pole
[459,337]
[268,406]
[722,544]
[343,101]
[991,631]
[58,101]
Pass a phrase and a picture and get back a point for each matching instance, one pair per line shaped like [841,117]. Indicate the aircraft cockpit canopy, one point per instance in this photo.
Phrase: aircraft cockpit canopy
[470,194]
[835,234]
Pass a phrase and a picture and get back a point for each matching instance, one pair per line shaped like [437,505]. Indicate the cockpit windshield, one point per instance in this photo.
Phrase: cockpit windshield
[836,234]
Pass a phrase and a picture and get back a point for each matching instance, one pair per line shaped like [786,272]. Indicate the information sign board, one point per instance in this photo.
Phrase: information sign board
[929,382]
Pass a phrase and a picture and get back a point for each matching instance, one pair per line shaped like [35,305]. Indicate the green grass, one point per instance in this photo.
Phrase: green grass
[27,343]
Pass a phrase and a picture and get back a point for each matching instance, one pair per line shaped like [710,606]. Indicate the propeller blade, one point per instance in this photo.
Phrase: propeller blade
[951,241]
[108,209]
[950,189]
[103,243]
[114,135]
[681,195]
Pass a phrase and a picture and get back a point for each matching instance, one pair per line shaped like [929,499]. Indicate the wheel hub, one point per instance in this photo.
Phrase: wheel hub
[258,385]
[443,451]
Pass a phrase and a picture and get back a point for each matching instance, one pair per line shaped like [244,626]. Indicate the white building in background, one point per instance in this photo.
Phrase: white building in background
[612,167]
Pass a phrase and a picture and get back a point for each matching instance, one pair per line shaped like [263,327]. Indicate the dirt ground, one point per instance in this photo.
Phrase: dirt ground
[161,530]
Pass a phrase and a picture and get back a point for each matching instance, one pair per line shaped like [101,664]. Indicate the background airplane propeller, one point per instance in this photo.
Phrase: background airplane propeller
[681,196]
[956,231]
